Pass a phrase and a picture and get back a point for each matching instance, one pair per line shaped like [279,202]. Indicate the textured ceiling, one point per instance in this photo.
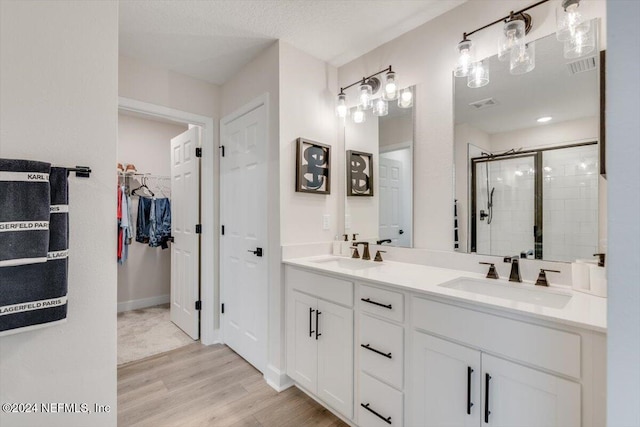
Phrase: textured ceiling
[211,40]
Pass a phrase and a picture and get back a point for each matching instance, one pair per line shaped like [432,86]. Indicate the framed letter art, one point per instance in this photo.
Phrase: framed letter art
[313,164]
[359,173]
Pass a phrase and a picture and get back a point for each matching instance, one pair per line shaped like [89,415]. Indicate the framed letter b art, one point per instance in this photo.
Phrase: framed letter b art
[313,163]
[359,173]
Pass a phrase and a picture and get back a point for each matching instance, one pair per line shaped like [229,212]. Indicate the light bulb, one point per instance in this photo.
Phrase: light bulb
[523,59]
[466,57]
[405,100]
[512,37]
[479,74]
[581,44]
[359,115]
[390,91]
[380,107]
[366,101]
[341,107]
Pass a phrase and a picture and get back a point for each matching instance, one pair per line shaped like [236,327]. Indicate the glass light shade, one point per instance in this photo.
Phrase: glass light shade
[479,74]
[580,45]
[569,20]
[380,107]
[359,116]
[523,59]
[405,100]
[341,106]
[512,36]
[466,57]
[390,90]
[366,100]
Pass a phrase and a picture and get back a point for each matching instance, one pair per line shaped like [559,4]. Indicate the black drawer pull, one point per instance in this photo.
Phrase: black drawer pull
[368,347]
[318,313]
[376,303]
[487,378]
[386,420]
[469,403]
[311,310]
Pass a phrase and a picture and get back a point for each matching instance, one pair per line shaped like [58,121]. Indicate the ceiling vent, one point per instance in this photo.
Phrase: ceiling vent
[483,103]
[582,65]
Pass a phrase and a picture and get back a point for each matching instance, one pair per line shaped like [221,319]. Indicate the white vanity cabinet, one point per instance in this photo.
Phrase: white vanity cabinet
[455,385]
[320,337]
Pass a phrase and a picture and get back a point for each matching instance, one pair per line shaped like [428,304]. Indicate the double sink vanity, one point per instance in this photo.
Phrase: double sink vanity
[393,343]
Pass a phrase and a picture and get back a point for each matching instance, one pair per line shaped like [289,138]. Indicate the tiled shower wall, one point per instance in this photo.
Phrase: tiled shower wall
[570,203]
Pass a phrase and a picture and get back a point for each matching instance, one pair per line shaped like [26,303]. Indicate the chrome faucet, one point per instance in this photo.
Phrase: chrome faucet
[514,276]
[365,253]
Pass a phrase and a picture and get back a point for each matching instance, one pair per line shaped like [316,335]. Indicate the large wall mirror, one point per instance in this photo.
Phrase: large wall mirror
[527,158]
[380,207]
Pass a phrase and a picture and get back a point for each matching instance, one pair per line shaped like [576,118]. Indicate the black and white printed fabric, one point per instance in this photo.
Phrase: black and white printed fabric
[35,295]
[24,211]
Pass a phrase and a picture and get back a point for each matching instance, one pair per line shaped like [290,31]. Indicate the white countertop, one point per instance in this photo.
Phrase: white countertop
[583,310]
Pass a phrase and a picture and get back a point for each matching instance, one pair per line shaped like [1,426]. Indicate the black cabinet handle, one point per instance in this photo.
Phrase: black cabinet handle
[487,378]
[318,313]
[368,347]
[376,303]
[311,310]
[366,406]
[469,403]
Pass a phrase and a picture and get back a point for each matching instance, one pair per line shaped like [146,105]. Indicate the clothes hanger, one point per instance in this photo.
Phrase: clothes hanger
[143,187]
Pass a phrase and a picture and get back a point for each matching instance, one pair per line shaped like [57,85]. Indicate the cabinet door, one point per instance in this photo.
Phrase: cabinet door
[335,356]
[523,397]
[445,383]
[302,345]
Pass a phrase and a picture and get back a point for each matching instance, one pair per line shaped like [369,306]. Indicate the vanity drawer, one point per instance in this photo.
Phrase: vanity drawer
[382,302]
[379,399]
[547,348]
[382,337]
[329,288]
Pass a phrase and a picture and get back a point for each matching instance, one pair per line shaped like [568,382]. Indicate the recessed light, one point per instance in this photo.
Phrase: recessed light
[544,119]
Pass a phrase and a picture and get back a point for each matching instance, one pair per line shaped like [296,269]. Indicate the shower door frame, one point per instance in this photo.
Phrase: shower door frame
[538,197]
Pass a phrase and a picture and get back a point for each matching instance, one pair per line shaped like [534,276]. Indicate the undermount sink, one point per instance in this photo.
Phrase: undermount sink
[516,292]
[347,263]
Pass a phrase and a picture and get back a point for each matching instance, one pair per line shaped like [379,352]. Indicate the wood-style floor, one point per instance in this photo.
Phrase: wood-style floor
[198,385]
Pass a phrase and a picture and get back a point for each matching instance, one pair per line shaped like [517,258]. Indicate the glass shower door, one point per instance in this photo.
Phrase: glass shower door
[504,211]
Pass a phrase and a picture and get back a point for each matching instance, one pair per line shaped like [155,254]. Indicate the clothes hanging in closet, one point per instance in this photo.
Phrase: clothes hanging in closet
[125,224]
[154,221]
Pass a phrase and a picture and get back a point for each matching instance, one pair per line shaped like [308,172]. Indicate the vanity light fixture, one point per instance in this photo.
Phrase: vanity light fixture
[572,28]
[479,74]
[367,89]
[544,119]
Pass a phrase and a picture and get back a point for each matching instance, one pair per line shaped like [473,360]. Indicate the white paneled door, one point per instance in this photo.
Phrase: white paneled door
[185,214]
[391,203]
[243,266]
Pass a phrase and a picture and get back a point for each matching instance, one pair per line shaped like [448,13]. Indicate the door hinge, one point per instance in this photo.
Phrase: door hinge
[222,309]
[198,305]
[223,230]
[198,152]
[222,150]
[198,228]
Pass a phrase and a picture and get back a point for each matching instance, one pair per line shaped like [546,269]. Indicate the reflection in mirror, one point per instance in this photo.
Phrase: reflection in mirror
[527,158]
[388,214]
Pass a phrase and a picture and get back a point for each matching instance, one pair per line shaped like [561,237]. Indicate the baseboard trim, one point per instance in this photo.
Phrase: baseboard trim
[277,380]
[143,303]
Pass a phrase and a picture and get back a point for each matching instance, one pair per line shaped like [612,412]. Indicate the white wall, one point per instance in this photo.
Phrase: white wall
[396,130]
[425,57]
[623,172]
[307,85]
[146,144]
[144,82]
[58,103]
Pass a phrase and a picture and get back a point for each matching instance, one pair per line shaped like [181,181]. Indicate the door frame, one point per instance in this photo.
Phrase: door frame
[262,100]
[208,204]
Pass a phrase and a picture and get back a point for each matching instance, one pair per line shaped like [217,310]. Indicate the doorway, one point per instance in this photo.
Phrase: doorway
[192,306]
